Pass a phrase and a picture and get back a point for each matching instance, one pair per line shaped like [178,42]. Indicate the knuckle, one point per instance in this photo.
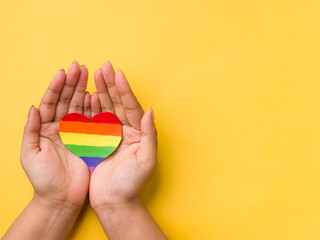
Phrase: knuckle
[49,105]
[107,109]
[130,109]
[110,84]
[54,91]
[116,101]
[70,85]
[77,108]
[65,100]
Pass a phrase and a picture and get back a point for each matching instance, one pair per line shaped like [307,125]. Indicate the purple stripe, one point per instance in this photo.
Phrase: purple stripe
[92,161]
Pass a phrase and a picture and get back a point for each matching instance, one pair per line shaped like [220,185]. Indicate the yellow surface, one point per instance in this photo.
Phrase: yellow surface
[235,90]
[89,139]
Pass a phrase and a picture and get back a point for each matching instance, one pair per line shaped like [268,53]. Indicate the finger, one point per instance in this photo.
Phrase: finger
[104,97]
[30,140]
[47,107]
[67,91]
[95,104]
[131,105]
[147,152]
[77,100]
[108,75]
[87,105]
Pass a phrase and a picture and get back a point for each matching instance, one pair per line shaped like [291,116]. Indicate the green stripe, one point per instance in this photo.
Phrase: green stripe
[91,151]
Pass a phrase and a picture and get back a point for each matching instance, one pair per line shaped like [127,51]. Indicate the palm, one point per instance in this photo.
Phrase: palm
[119,175]
[62,173]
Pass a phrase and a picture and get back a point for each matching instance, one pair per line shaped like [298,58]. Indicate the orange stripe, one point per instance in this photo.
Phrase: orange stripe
[90,128]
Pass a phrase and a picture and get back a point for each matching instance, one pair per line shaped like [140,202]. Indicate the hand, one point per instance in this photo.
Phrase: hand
[117,182]
[57,175]
[120,178]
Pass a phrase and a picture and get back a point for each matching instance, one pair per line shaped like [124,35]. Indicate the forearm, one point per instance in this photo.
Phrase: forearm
[129,221]
[43,220]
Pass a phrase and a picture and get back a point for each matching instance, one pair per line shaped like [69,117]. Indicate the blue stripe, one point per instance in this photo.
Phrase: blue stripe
[92,161]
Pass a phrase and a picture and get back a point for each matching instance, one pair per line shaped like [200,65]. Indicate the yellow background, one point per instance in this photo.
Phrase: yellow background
[235,90]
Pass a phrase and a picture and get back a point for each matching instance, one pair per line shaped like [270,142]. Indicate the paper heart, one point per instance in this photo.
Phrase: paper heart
[92,140]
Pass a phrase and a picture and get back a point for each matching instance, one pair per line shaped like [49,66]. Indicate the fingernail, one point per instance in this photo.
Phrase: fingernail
[75,62]
[30,111]
[83,66]
[61,70]
[152,114]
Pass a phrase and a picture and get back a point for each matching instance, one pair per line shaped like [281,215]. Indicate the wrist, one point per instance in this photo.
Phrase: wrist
[118,216]
[43,219]
[128,220]
[117,208]
[56,208]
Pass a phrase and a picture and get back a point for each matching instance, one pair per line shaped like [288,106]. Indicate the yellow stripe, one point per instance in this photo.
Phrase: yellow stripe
[89,139]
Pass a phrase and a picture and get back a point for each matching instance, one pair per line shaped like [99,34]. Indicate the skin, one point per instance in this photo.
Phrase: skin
[117,182]
[61,179]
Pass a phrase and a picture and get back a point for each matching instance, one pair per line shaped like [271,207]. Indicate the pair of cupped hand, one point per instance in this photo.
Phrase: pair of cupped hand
[60,177]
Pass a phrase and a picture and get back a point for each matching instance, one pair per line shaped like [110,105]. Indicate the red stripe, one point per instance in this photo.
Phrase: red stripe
[75,117]
[105,117]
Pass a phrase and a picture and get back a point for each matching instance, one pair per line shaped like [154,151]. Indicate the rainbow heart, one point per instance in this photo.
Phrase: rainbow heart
[92,140]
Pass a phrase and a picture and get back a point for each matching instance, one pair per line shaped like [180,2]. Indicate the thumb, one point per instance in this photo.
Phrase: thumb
[30,140]
[148,144]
